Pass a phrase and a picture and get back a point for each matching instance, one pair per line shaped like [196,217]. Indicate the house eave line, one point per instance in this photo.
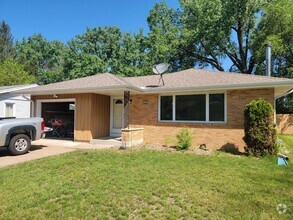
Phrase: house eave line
[223,87]
[81,90]
[15,89]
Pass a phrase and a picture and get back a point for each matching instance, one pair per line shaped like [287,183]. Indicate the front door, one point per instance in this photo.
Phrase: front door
[117,116]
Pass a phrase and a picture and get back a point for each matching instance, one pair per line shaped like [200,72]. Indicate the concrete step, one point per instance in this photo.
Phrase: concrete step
[106,142]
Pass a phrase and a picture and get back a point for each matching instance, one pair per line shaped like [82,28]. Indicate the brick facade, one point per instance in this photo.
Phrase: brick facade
[144,114]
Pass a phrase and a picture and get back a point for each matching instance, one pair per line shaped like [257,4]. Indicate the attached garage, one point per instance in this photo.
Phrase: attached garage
[59,115]
[91,114]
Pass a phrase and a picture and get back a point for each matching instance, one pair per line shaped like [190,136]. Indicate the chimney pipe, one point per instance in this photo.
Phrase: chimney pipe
[268,59]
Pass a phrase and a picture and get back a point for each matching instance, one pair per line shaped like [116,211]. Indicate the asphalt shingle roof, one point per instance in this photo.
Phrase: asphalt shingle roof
[199,78]
[195,78]
[91,82]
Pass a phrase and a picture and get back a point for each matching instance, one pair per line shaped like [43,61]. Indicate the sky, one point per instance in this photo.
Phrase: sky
[64,19]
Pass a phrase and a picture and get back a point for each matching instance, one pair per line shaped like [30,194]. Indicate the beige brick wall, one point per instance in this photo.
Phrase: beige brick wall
[213,135]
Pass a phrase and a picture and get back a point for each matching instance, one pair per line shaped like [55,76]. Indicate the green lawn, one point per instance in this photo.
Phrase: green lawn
[136,184]
[288,143]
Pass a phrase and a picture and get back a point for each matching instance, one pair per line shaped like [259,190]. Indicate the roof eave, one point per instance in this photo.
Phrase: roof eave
[80,90]
[15,89]
[214,87]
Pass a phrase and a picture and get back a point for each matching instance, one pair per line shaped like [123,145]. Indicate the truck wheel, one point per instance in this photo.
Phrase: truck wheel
[19,144]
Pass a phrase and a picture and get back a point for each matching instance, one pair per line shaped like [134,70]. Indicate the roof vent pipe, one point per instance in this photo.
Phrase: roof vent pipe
[268,59]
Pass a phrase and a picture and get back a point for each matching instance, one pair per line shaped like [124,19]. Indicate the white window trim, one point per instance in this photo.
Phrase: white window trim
[207,121]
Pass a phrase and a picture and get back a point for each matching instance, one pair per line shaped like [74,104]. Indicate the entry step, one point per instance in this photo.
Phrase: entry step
[109,141]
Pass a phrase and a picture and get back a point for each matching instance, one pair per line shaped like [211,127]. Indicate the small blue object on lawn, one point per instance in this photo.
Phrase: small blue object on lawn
[282,160]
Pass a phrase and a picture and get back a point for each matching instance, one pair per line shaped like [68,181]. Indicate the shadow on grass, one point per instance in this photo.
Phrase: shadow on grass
[231,148]
[5,153]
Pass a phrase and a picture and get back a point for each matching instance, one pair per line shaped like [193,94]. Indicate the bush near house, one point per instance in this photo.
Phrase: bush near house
[259,128]
[184,139]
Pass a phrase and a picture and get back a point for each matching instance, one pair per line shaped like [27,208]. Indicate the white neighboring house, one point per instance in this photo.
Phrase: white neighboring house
[15,105]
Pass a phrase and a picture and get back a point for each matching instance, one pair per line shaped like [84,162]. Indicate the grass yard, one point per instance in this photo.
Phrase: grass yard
[288,143]
[136,184]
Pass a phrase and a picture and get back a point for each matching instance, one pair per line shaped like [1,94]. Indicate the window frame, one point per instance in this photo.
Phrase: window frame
[207,121]
[13,109]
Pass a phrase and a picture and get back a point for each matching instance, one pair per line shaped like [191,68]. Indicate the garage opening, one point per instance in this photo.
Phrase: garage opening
[60,117]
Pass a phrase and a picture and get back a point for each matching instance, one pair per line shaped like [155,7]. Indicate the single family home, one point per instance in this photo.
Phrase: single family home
[210,103]
[15,105]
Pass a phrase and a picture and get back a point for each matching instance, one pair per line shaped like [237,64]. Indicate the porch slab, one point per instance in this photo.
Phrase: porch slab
[107,141]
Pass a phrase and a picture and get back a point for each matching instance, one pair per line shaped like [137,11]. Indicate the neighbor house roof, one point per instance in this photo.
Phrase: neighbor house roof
[191,79]
[8,89]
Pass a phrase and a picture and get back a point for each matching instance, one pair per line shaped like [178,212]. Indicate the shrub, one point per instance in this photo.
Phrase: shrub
[184,139]
[260,134]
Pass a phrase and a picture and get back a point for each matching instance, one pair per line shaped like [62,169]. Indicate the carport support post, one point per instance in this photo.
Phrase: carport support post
[126,109]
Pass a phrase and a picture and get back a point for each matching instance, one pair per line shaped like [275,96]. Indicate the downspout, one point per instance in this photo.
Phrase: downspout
[275,102]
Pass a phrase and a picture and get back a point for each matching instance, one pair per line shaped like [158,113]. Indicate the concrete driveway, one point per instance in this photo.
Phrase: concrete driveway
[45,148]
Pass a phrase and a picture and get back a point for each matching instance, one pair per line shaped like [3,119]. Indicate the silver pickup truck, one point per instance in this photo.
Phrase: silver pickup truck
[17,134]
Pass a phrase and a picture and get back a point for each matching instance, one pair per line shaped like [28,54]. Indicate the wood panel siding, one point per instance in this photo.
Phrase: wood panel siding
[100,116]
[92,114]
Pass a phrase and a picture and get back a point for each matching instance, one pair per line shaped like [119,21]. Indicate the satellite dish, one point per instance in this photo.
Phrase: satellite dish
[160,68]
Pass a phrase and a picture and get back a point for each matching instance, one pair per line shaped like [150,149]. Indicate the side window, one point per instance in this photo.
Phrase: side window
[166,111]
[217,107]
[9,107]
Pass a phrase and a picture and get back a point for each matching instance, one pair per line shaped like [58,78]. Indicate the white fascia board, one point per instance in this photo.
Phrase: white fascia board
[224,87]
[17,88]
[82,90]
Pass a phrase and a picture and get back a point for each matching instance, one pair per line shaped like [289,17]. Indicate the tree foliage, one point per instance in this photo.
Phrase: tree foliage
[41,58]
[276,27]
[6,42]
[207,32]
[106,49]
[164,36]
[13,73]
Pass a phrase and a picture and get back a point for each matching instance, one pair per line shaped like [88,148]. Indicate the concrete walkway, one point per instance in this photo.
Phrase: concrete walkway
[45,148]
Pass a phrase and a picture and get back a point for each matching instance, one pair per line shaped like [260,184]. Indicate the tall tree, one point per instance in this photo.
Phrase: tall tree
[41,58]
[13,73]
[214,30]
[276,27]
[6,42]
[106,49]
[163,39]
[205,33]
[92,52]
[133,59]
